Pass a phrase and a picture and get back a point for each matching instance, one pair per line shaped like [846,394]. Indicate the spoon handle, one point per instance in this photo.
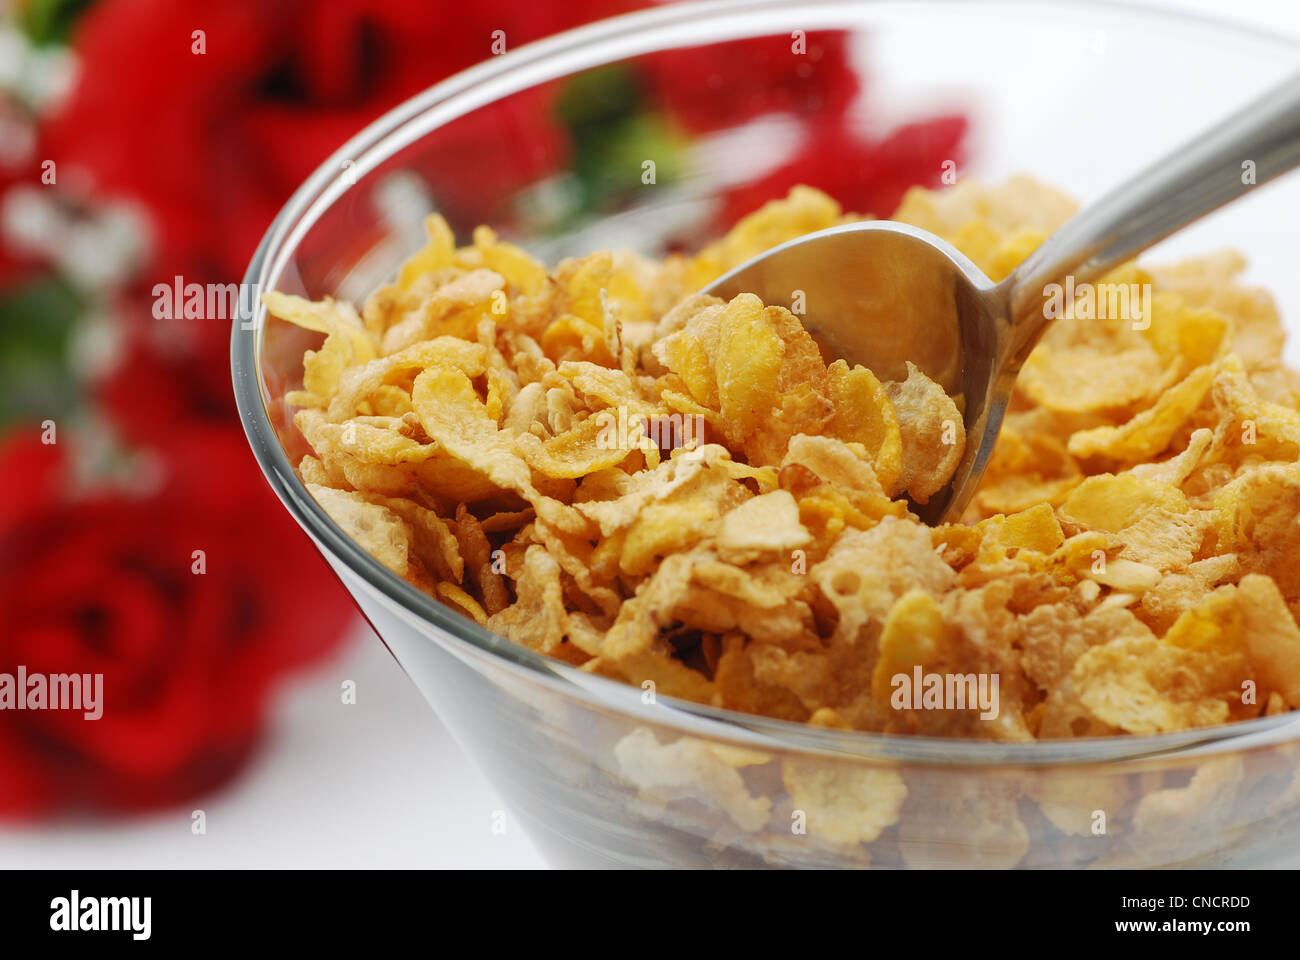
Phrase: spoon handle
[1253,146]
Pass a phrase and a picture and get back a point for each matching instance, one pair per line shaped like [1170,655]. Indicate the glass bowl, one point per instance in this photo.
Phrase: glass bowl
[601,774]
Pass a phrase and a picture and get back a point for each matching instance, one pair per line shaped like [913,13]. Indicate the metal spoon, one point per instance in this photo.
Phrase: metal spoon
[881,293]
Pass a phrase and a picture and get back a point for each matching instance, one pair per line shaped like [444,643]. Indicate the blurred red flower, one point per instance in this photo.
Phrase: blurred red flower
[806,75]
[866,176]
[707,88]
[189,643]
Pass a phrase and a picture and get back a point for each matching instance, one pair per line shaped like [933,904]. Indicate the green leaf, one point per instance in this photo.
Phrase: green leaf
[614,135]
[611,169]
[51,21]
[594,99]
[36,321]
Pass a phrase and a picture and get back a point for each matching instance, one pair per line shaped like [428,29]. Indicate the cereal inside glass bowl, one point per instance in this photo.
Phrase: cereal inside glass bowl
[652,558]
[692,499]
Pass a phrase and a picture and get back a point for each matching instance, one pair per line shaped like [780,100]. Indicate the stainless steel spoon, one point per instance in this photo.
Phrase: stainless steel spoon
[881,293]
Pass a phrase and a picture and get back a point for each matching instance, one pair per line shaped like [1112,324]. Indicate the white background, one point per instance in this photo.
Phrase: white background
[376,784]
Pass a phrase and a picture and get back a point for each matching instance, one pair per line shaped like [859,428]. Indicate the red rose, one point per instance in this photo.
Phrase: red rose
[866,176]
[188,643]
[154,392]
[723,85]
[25,788]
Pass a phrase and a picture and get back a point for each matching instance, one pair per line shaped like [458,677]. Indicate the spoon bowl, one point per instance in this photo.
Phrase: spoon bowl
[913,297]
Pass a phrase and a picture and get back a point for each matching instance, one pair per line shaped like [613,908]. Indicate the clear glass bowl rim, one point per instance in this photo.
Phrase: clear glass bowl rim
[683,24]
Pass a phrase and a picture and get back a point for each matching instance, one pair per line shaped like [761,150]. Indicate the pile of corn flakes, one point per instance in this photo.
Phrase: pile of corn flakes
[660,486]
